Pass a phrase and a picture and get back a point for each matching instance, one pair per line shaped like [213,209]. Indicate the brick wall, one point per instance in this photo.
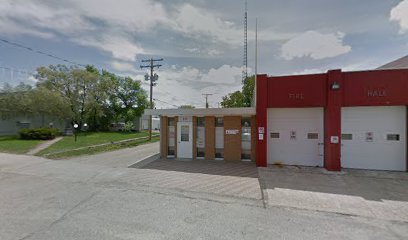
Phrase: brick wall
[209,138]
[194,119]
[175,136]
[232,142]
[164,137]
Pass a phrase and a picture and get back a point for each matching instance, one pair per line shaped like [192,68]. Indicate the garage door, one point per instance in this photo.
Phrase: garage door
[374,138]
[295,136]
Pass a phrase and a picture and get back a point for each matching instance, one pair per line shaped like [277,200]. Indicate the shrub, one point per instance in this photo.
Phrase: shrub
[128,127]
[38,133]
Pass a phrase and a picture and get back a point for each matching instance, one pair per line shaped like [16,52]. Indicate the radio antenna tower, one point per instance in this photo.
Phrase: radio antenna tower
[245,65]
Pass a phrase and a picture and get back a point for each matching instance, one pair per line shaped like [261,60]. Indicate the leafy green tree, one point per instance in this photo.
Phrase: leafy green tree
[186,107]
[235,99]
[74,85]
[242,98]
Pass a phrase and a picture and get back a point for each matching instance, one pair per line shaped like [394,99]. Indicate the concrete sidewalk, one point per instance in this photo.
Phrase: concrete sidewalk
[374,194]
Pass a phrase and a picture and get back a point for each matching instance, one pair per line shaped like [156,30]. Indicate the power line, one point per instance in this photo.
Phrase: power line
[17,45]
[17,70]
[155,99]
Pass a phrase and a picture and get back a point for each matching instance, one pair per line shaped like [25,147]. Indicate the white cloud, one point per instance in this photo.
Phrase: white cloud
[119,46]
[315,45]
[186,85]
[400,14]
[123,66]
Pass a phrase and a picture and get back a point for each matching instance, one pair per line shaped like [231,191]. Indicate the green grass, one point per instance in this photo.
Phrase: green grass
[100,149]
[89,139]
[12,144]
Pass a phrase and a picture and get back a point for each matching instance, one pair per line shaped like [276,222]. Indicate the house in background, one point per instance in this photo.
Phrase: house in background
[11,123]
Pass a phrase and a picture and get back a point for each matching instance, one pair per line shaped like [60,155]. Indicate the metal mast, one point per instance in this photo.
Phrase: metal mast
[245,65]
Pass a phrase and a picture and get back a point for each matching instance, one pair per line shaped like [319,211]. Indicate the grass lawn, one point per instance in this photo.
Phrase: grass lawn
[11,144]
[100,149]
[89,139]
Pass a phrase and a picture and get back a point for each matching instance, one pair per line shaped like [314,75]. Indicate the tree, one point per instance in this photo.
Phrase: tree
[235,99]
[126,97]
[186,107]
[74,85]
[242,98]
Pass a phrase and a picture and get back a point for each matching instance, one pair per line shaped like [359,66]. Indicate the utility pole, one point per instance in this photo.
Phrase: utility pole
[206,98]
[153,82]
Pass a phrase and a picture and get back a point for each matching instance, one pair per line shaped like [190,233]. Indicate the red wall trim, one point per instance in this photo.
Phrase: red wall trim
[261,119]
[297,91]
[332,121]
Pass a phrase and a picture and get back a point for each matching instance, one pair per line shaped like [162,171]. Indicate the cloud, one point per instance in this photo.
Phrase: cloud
[185,85]
[123,66]
[315,45]
[400,14]
[119,46]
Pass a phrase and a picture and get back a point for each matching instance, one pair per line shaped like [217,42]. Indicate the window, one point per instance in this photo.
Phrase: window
[246,122]
[312,136]
[185,135]
[200,122]
[393,137]
[170,121]
[219,122]
[274,135]
[346,136]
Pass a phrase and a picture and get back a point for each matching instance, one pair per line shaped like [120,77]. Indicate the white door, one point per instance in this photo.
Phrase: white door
[374,138]
[295,136]
[184,140]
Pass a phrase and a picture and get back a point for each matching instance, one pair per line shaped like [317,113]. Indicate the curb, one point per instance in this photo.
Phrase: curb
[145,161]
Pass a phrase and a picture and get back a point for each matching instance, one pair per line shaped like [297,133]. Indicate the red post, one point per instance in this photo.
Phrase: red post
[261,120]
[332,120]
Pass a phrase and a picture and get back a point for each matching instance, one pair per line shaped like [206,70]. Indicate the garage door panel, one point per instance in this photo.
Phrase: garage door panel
[376,152]
[300,132]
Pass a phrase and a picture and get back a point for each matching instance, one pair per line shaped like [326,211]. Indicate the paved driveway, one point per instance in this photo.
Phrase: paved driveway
[91,199]
[375,194]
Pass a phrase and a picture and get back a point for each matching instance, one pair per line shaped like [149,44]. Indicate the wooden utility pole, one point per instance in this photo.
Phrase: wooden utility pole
[206,98]
[153,82]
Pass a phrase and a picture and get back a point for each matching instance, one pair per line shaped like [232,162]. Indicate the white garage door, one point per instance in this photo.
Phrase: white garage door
[374,138]
[295,136]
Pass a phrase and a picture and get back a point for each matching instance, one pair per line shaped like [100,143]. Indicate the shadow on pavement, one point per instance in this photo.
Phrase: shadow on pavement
[222,168]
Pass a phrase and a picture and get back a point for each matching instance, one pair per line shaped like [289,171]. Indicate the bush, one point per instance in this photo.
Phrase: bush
[38,133]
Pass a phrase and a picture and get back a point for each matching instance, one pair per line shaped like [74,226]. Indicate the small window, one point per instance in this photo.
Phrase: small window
[312,136]
[274,135]
[346,136]
[219,153]
[185,135]
[219,122]
[170,151]
[200,122]
[170,121]
[245,122]
[393,137]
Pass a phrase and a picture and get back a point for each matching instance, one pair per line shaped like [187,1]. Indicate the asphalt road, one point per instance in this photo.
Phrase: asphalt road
[40,200]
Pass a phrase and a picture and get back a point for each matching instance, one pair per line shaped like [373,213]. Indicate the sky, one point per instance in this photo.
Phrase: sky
[201,41]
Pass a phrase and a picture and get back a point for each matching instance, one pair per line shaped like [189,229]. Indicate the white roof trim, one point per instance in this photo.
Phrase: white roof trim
[199,112]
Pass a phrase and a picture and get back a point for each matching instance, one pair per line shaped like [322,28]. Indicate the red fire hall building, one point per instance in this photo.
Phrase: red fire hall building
[333,120]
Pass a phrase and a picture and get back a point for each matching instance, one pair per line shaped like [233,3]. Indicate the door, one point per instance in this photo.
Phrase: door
[295,136]
[184,140]
[374,137]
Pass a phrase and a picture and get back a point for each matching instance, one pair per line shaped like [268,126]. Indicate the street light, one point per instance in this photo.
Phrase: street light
[75,131]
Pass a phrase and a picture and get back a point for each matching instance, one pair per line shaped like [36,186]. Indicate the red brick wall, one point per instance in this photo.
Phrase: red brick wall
[232,142]
[209,138]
